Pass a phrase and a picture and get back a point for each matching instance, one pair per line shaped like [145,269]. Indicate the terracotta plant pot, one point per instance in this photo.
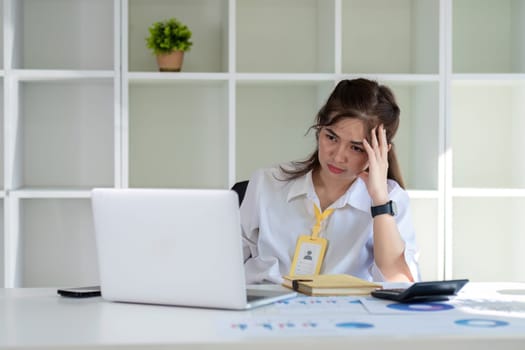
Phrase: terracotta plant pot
[171,62]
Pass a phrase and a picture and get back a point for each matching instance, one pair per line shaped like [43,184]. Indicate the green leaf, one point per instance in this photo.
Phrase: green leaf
[168,36]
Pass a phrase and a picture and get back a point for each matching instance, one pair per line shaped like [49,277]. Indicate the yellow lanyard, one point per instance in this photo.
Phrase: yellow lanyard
[310,250]
[319,218]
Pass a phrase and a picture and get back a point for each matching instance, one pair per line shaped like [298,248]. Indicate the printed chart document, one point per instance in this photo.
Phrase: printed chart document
[479,310]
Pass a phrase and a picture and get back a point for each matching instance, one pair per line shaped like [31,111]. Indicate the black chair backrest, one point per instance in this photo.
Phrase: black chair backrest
[240,188]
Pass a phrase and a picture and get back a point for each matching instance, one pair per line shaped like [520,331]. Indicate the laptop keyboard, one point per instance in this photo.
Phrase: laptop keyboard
[250,298]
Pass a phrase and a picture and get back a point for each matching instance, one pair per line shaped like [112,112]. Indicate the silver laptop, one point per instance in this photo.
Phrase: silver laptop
[175,247]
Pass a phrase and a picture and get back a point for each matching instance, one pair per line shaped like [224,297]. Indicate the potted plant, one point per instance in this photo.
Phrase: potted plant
[169,40]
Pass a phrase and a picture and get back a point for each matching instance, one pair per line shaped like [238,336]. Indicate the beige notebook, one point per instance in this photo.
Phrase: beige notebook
[327,285]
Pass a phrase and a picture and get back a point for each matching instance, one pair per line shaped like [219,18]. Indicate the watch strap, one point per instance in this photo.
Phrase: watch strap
[387,208]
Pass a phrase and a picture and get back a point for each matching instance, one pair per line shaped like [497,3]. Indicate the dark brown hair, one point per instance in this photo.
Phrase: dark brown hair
[362,99]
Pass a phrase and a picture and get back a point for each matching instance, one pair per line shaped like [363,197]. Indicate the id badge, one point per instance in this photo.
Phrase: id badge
[308,256]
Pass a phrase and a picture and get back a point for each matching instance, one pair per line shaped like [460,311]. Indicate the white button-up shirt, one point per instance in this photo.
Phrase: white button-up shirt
[274,213]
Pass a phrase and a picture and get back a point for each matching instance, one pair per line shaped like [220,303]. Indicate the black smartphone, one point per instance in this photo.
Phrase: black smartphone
[80,292]
[422,291]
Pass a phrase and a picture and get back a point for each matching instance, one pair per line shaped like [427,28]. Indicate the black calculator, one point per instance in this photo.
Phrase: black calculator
[422,291]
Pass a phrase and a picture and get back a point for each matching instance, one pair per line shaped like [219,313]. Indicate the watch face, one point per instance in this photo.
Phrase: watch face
[393,206]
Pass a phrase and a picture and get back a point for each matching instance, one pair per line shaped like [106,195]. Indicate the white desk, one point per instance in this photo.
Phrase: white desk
[37,318]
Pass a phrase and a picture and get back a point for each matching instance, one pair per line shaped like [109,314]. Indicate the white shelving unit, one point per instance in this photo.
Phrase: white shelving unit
[62,134]
[85,107]
[485,117]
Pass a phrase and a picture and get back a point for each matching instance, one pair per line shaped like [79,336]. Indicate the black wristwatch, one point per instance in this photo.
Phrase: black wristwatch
[388,208]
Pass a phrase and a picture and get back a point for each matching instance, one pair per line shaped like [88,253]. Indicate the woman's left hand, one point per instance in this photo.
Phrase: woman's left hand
[376,177]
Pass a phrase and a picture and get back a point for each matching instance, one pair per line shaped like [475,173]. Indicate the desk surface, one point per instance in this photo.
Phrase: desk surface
[483,316]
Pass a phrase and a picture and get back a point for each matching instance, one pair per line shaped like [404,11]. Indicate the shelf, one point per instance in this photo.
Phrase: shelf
[158,76]
[242,78]
[488,239]
[406,33]
[178,135]
[66,135]
[207,20]
[491,116]
[409,79]
[55,74]
[55,193]
[64,42]
[490,39]
[492,79]
[488,192]
[57,244]
[422,194]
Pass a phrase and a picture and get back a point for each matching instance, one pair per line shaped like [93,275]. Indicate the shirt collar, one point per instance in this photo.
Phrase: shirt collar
[356,196]
[301,186]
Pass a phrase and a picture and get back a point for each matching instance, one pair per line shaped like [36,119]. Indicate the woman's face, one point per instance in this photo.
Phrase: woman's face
[342,155]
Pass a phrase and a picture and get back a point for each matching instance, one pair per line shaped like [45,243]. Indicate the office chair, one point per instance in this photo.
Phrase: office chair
[240,188]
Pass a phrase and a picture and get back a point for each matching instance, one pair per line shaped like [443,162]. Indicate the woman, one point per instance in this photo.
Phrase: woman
[339,204]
